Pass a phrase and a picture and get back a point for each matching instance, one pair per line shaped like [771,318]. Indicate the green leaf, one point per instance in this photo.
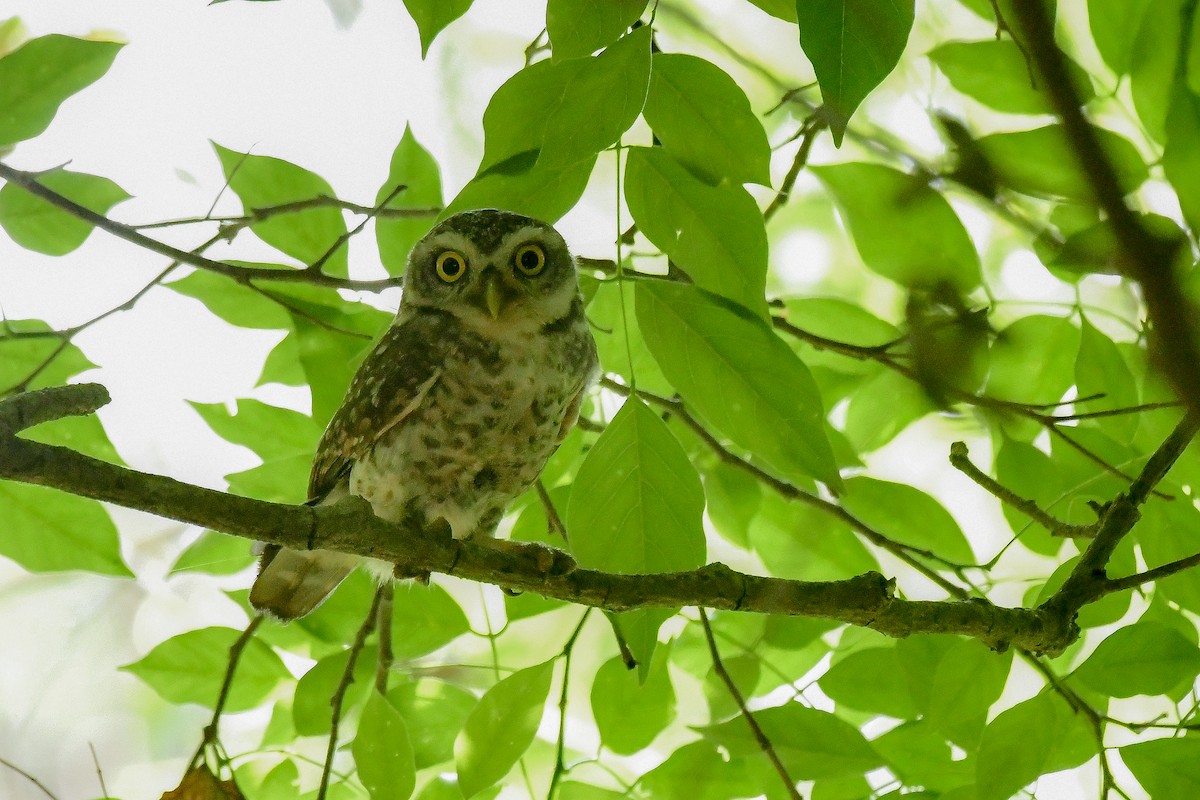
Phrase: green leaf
[581,27]
[812,744]
[767,401]
[1100,369]
[703,119]
[882,407]
[619,339]
[1164,535]
[37,225]
[545,193]
[1042,162]
[501,728]
[1034,737]
[907,515]
[714,233]
[1032,360]
[382,752]
[568,111]
[1029,472]
[1180,161]
[432,16]
[780,9]
[1143,658]
[804,543]
[962,688]
[870,680]
[698,771]
[629,714]
[310,705]
[1154,62]
[1113,24]
[46,530]
[424,618]
[435,712]
[263,182]
[919,755]
[640,629]
[733,501]
[190,667]
[416,169]
[284,439]
[996,73]
[637,503]
[215,554]
[853,45]
[903,230]
[1168,769]
[233,302]
[38,76]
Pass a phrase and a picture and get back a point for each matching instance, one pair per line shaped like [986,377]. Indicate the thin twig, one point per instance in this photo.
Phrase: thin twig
[811,128]
[384,625]
[1152,575]
[339,694]
[99,772]
[560,747]
[553,520]
[28,777]
[29,182]
[764,743]
[961,461]
[210,738]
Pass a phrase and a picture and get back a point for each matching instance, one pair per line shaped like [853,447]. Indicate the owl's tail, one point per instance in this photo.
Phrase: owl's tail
[291,583]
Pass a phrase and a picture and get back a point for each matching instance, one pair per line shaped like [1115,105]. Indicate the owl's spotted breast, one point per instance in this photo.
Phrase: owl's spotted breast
[485,427]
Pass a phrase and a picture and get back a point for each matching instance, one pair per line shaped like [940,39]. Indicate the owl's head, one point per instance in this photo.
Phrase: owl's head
[495,270]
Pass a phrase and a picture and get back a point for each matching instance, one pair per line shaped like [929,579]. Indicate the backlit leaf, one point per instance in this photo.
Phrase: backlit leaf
[567,111]
[264,182]
[382,752]
[853,45]
[501,728]
[1039,735]
[739,376]
[903,230]
[1142,658]
[636,504]
[713,233]
[703,119]
[907,515]
[1043,162]
[189,668]
[38,76]
[413,167]
[996,73]
[38,225]
[1168,769]
[630,714]
[432,16]
[581,27]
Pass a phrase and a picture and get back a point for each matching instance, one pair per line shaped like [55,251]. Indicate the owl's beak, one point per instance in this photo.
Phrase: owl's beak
[493,296]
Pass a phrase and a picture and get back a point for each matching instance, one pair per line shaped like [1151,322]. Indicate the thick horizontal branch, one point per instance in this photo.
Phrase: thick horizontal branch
[349,526]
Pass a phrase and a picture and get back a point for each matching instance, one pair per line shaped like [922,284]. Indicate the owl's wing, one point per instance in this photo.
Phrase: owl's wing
[390,385]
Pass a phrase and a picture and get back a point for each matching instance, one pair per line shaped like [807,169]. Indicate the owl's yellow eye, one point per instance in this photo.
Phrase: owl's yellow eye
[451,266]
[530,260]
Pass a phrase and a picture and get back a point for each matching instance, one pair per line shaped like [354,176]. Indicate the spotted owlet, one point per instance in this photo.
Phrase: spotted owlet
[461,402]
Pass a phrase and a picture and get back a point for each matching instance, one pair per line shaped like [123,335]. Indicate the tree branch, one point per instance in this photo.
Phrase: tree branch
[1145,257]
[759,735]
[349,526]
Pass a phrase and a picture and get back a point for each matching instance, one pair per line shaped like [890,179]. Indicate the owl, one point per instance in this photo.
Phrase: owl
[458,406]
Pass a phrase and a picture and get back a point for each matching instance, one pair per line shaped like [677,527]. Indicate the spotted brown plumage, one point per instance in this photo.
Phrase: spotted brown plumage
[458,406]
